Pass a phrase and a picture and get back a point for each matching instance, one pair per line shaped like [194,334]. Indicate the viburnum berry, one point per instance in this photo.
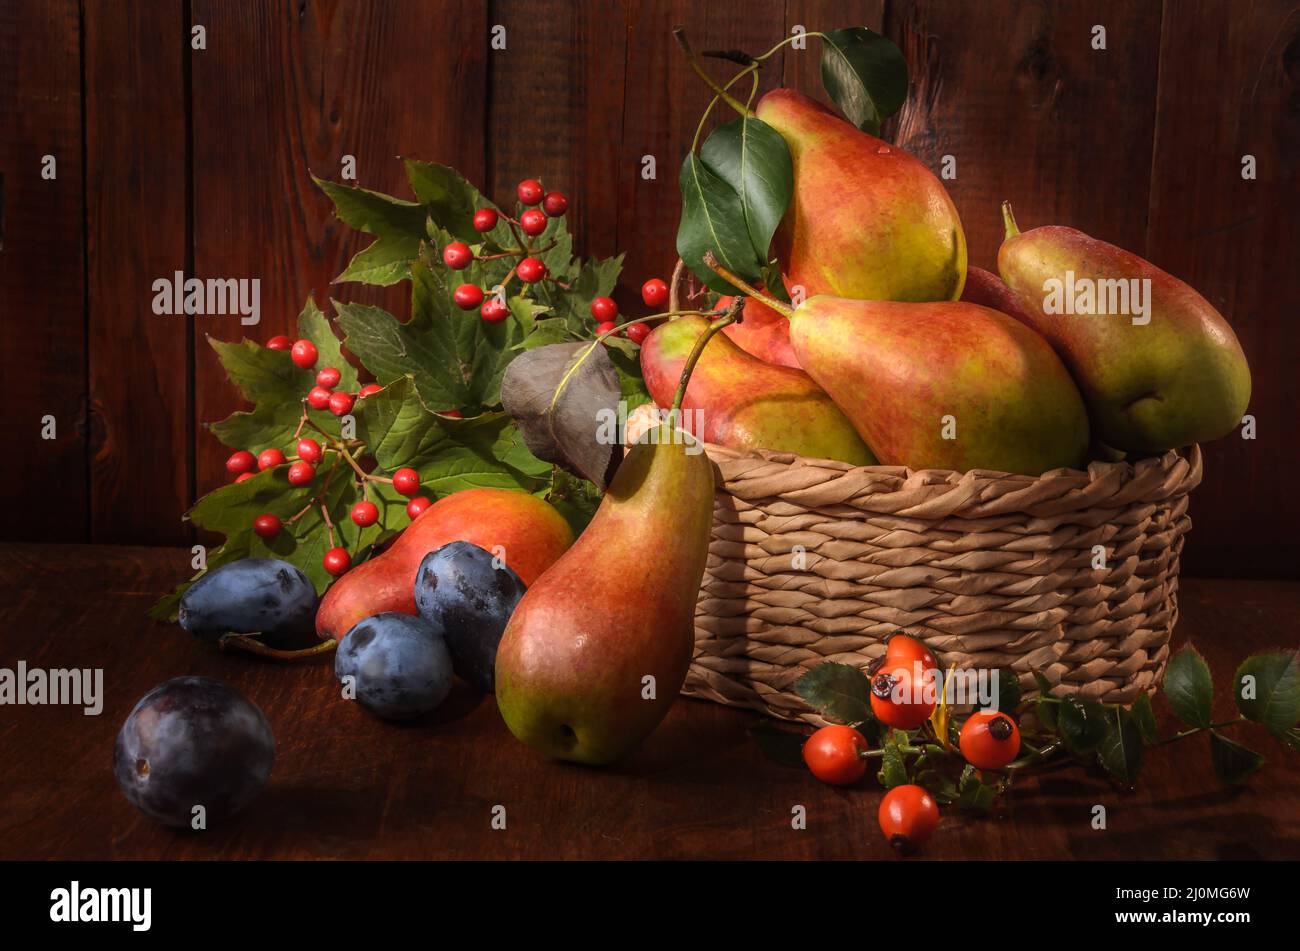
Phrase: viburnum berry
[270,458]
[555,204]
[637,332]
[532,222]
[309,450]
[604,308]
[280,342]
[900,698]
[494,310]
[989,739]
[337,561]
[341,403]
[243,476]
[605,327]
[415,508]
[304,354]
[654,292]
[406,481]
[485,219]
[319,398]
[908,816]
[457,255]
[365,513]
[301,473]
[266,525]
[241,462]
[329,377]
[531,270]
[832,755]
[370,389]
[529,191]
[467,296]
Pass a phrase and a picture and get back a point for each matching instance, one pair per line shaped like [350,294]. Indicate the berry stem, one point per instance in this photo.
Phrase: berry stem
[730,317]
[781,307]
[329,525]
[251,645]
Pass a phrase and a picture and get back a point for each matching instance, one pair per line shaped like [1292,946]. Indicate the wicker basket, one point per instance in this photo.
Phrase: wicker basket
[813,560]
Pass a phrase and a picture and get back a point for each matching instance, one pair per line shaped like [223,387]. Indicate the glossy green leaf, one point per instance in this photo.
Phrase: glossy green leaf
[713,219]
[1121,751]
[1233,763]
[836,691]
[753,158]
[1189,687]
[1145,718]
[1081,723]
[865,74]
[1267,690]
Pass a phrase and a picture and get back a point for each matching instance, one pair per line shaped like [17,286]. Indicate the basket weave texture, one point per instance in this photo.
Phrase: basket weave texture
[813,560]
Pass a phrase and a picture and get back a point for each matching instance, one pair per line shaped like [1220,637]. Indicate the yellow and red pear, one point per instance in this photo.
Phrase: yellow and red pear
[744,403]
[866,220]
[763,333]
[597,649]
[1158,366]
[943,385]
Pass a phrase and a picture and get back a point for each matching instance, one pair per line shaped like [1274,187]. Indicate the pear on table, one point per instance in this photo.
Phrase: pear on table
[1153,381]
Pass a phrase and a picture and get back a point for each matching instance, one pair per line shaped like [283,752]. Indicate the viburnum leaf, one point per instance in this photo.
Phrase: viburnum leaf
[594,278]
[398,225]
[449,200]
[450,454]
[313,325]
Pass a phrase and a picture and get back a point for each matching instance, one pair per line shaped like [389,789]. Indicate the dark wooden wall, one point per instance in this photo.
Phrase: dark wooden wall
[172,159]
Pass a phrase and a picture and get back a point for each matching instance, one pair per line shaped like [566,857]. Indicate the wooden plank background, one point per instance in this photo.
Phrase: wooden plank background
[173,158]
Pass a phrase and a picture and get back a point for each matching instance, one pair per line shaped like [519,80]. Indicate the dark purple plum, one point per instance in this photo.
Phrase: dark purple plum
[193,741]
[399,664]
[460,587]
[263,596]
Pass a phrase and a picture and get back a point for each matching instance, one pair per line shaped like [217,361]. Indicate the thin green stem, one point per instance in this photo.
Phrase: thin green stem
[1199,729]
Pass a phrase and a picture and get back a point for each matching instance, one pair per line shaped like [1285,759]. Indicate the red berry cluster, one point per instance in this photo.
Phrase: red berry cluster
[530,269]
[308,454]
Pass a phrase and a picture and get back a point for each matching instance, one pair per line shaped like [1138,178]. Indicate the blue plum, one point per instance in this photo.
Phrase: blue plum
[461,588]
[399,665]
[193,741]
[251,596]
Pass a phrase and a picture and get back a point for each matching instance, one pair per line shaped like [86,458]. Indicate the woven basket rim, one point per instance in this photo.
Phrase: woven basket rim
[831,485]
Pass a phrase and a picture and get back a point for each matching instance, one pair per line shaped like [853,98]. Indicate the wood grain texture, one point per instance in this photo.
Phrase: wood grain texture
[665,102]
[288,89]
[1235,240]
[135,234]
[347,785]
[42,333]
[1032,113]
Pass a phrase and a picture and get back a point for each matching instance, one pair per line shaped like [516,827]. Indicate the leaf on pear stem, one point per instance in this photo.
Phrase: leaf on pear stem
[563,397]
[865,74]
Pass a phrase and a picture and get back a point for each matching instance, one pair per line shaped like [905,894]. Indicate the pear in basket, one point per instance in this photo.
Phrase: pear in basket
[598,647]
[1159,367]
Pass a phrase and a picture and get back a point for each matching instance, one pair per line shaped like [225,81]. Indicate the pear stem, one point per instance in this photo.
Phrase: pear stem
[253,646]
[679,34]
[674,289]
[781,307]
[1009,220]
[732,314]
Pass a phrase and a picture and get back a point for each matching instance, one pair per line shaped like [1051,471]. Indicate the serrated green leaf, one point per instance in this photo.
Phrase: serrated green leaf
[836,691]
[1274,681]
[1081,723]
[1145,718]
[374,212]
[973,792]
[574,498]
[448,198]
[1189,687]
[313,325]
[751,157]
[1046,711]
[1044,685]
[781,745]
[1120,752]
[382,263]
[1233,763]
[893,766]
[1008,690]
[866,75]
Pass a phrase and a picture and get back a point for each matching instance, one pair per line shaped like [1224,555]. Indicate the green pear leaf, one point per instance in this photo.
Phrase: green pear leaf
[1233,763]
[1121,750]
[837,691]
[713,219]
[751,157]
[866,75]
[1267,690]
[1189,687]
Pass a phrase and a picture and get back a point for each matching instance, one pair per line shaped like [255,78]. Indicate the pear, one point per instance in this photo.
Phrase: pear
[944,385]
[763,333]
[598,647]
[1158,366]
[744,403]
[987,290]
[866,219]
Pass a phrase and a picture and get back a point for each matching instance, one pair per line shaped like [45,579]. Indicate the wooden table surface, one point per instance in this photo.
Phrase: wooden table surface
[347,785]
